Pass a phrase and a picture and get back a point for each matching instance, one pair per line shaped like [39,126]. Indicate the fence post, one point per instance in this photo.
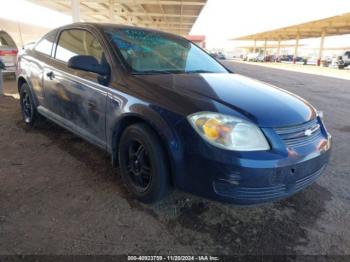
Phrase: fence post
[2,67]
[1,83]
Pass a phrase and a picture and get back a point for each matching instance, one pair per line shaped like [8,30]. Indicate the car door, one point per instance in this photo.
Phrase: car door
[40,62]
[78,98]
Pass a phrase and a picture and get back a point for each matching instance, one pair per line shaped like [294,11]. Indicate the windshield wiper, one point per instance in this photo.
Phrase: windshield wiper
[198,71]
[153,72]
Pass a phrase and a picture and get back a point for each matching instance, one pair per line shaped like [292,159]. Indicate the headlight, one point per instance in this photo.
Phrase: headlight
[228,132]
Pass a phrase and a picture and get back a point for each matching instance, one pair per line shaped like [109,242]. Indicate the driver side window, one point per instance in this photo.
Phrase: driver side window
[74,42]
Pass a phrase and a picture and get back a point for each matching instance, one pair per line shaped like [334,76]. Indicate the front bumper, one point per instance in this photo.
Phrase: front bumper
[274,183]
[248,178]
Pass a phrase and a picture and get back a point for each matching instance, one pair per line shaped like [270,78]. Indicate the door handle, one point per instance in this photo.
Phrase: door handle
[92,105]
[50,75]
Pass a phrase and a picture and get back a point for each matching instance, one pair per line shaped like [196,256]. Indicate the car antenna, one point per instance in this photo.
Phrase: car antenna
[20,33]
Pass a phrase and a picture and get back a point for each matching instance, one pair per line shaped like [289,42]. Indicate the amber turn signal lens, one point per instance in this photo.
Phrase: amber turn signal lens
[211,128]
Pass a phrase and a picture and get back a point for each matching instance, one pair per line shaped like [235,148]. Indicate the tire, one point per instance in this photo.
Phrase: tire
[143,163]
[29,112]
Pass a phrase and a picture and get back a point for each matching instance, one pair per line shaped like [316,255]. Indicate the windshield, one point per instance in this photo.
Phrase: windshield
[6,40]
[155,52]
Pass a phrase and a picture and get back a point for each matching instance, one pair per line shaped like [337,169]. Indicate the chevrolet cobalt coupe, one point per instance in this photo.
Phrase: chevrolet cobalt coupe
[172,116]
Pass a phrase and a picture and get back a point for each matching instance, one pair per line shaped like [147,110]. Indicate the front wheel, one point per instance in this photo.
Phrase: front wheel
[29,113]
[143,164]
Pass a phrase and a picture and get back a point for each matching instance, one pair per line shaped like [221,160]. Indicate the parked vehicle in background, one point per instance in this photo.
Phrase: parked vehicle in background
[171,115]
[221,56]
[285,58]
[217,55]
[8,52]
[300,60]
[214,55]
[312,60]
[252,57]
[337,62]
[270,58]
[260,58]
[346,58]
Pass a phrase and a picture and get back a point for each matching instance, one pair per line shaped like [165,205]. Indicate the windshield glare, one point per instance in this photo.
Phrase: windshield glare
[154,52]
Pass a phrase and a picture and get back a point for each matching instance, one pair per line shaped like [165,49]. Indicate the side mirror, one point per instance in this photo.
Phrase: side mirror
[2,65]
[89,64]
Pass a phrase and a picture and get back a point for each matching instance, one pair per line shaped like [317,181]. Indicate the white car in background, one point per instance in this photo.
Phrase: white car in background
[8,52]
[346,58]
[252,57]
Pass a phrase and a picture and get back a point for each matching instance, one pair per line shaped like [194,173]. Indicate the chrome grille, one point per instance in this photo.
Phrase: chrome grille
[296,136]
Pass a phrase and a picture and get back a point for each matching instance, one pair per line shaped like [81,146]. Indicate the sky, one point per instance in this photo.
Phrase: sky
[219,20]
[27,12]
[224,19]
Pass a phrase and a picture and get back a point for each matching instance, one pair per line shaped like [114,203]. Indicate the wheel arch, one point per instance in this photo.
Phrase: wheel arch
[23,80]
[20,81]
[166,138]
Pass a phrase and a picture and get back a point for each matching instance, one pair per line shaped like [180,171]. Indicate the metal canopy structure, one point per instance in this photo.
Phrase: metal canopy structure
[174,16]
[336,25]
[331,26]
[267,46]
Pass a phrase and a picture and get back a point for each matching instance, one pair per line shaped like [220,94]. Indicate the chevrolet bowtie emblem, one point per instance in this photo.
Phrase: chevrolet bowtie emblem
[309,132]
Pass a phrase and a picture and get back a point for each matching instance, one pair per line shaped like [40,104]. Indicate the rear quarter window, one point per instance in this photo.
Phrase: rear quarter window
[44,46]
[6,40]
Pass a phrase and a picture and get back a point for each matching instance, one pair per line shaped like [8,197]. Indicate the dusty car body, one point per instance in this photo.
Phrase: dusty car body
[217,134]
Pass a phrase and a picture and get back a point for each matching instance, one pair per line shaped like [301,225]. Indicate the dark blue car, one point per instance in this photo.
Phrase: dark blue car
[172,116]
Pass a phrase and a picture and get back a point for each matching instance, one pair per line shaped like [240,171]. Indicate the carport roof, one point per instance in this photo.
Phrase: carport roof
[175,16]
[336,25]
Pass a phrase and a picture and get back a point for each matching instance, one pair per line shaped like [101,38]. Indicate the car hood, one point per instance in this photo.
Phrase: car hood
[266,105]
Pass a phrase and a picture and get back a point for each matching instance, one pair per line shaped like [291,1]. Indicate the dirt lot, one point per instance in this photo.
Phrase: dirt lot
[59,194]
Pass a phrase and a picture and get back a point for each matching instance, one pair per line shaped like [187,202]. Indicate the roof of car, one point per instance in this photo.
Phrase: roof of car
[119,26]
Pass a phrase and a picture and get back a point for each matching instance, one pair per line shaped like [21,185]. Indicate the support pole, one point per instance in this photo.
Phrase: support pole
[111,10]
[296,48]
[265,49]
[75,10]
[279,47]
[278,50]
[254,50]
[320,51]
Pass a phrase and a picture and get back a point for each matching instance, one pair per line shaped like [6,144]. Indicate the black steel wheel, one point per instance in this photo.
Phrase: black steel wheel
[143,163]
[139,166]
[29,112]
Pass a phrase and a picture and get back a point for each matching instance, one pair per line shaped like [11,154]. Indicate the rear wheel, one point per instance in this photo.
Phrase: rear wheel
[143,163]
[29,112]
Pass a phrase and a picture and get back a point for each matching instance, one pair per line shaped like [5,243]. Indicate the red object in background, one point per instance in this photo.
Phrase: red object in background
[318,61]
[197,39]
[8,52]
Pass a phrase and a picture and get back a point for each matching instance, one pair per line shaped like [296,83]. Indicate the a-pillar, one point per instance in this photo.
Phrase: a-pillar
[75,10]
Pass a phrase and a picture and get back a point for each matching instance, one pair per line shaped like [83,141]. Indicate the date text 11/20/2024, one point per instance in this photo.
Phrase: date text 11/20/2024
[173,258]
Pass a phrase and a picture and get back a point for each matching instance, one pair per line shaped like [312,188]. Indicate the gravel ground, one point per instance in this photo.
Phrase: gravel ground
[59,194]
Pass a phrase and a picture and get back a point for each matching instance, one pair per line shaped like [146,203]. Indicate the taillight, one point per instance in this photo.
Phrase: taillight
[8,52]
